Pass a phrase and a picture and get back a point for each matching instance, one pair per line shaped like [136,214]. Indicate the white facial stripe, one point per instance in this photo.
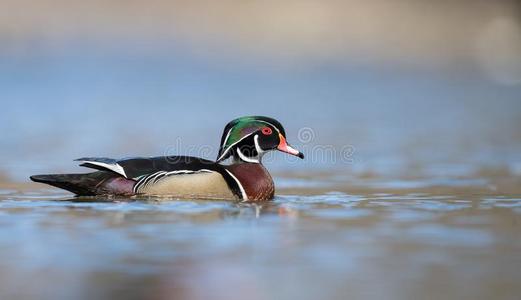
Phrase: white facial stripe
[257,146]
[243,192]
[224,143]
[231,146]
[260,152]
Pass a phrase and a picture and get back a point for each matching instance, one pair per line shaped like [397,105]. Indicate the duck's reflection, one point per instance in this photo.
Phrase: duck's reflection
[207,209]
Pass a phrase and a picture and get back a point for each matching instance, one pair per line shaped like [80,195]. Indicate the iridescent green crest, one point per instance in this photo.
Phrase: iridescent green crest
[242,127]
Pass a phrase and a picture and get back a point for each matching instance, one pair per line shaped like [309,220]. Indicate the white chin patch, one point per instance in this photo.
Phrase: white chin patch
[246,158]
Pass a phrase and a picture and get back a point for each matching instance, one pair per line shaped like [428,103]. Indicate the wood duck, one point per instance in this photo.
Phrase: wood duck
[245,140]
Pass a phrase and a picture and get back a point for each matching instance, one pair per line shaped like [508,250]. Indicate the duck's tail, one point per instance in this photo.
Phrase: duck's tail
[89,184]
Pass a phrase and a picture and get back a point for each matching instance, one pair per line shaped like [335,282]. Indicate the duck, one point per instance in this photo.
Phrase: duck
[237,173]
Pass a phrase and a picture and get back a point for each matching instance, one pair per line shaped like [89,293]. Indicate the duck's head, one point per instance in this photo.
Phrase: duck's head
[248,138]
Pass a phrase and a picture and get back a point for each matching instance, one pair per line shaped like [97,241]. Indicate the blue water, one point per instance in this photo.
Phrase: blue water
[120,101]
[333,245]
[409,190]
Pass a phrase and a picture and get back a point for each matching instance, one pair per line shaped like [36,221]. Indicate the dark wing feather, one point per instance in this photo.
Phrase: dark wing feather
[133,168]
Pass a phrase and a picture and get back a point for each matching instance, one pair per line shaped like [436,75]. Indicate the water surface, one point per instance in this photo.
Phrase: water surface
[369,238]
[411,184]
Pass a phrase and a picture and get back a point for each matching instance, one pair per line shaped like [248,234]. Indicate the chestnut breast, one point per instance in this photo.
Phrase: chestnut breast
[255,180]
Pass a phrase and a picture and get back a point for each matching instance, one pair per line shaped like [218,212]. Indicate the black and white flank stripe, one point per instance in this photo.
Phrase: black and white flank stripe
[145,181]
[149,171]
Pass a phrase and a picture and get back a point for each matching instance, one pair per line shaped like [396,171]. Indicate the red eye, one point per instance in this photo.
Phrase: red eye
[266,131]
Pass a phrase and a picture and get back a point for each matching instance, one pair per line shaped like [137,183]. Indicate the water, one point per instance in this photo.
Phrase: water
[410,188]
[387,238]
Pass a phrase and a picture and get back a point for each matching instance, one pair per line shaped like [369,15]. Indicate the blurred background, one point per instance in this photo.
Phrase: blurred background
[428,86]
[409,113]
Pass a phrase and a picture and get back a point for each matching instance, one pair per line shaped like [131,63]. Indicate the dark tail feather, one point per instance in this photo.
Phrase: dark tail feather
[79,184]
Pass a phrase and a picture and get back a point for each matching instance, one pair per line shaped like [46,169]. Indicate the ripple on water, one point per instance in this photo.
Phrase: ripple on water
[326,198]
[442,235]
[332,205]
[282,182]
[340,213]
[501,202]
[364,237]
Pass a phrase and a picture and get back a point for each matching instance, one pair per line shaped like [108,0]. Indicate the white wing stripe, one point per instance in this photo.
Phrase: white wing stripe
[113,167]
